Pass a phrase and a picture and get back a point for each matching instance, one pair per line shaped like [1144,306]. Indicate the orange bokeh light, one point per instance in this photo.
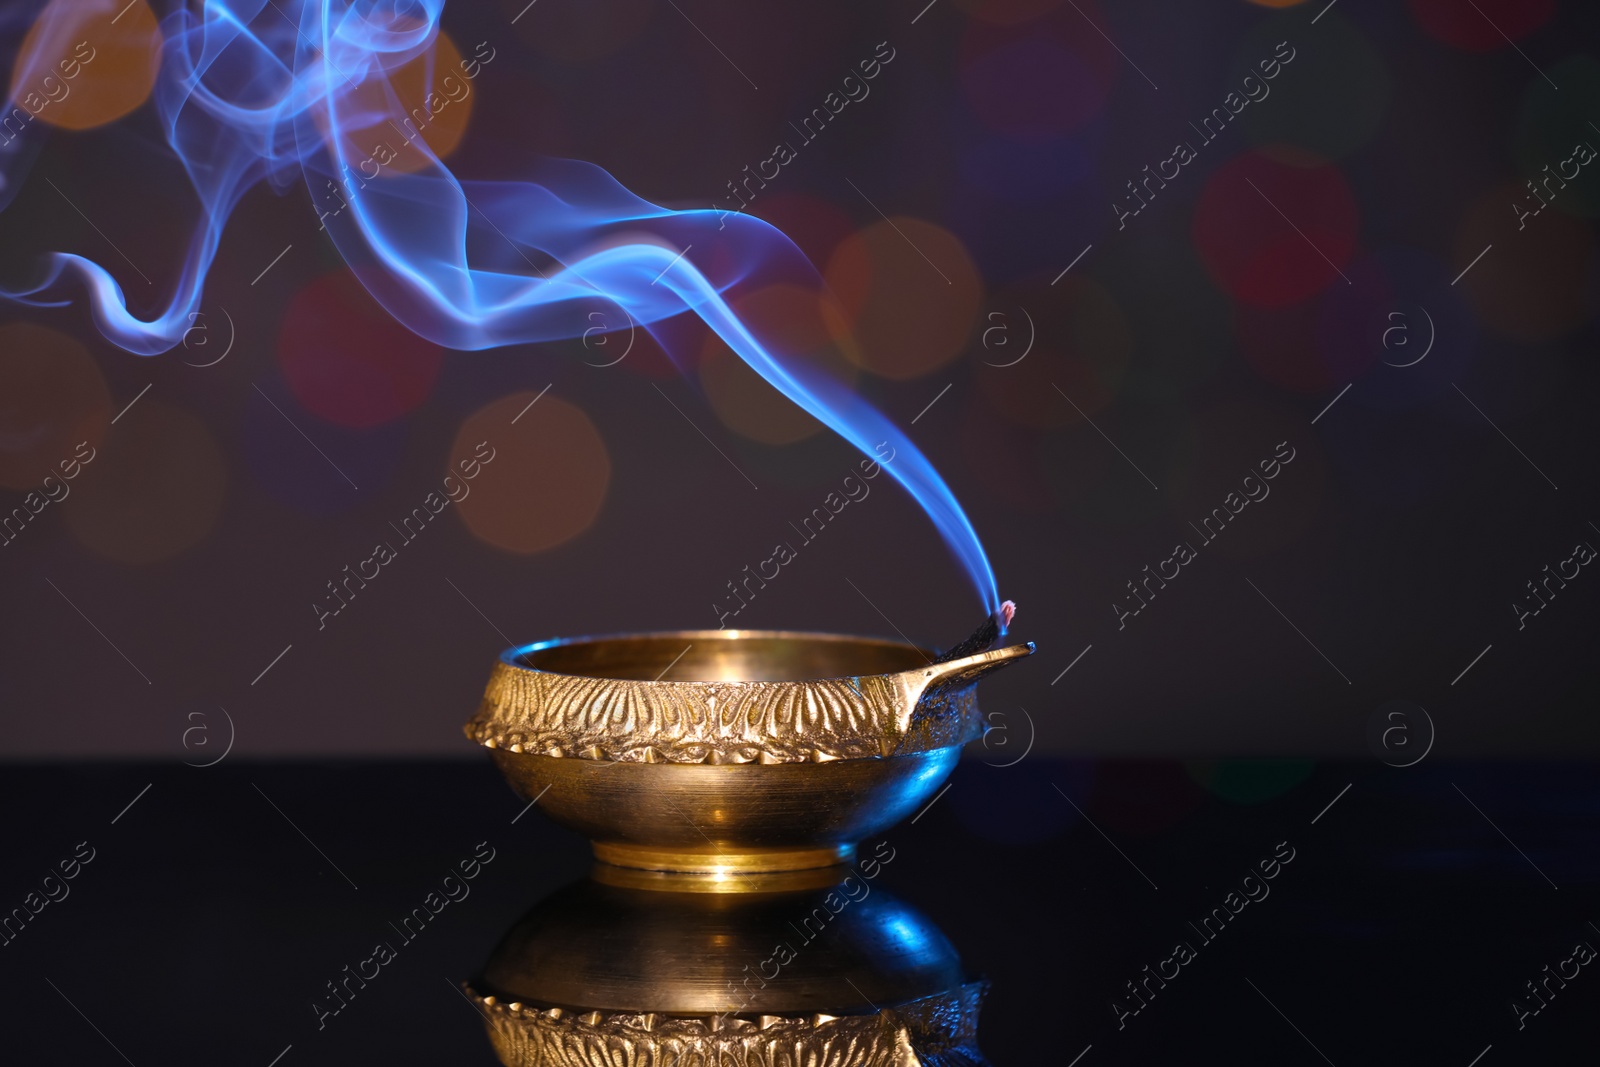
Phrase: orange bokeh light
[427,99]
[85,63]
[52,397]
[787,318]
[907,296]
[546,477]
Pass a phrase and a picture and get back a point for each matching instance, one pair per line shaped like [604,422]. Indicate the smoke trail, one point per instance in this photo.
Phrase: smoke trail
[280,91]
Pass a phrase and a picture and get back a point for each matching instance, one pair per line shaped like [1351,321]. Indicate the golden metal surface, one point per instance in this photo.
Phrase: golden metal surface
[731,696]
[842,975]
[926,1033]
[727,753]
[722,863]
[717,882]
[727,819]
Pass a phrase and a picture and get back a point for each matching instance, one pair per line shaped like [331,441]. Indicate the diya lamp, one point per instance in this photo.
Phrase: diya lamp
[722,753]
[726,755]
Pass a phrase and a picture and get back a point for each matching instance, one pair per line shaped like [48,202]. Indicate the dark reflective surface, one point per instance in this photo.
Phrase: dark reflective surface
[1396,921]
[640,969]
[843,948]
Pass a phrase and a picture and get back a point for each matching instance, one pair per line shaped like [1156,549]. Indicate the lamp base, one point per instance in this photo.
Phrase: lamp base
[730,862]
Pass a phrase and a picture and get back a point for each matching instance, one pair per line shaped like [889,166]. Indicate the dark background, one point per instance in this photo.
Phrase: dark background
[1197,338]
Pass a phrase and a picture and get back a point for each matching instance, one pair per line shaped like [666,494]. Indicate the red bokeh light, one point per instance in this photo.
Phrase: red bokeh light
[347,360]
[1478,27]
[1271,233]
[815,225]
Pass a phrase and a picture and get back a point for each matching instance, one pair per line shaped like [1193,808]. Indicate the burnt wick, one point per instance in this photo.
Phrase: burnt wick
[991,630]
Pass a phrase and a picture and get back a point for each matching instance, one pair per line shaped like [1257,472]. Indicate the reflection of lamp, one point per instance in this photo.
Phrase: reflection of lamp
[728,753]
[837,973]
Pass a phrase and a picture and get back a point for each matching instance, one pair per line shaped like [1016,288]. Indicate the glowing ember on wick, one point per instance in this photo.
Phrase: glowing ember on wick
[992,629]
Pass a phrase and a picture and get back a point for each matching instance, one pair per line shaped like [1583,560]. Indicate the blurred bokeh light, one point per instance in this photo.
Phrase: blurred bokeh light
[87,62]
[348,360]
[897,263]
[547,477]
[52,397]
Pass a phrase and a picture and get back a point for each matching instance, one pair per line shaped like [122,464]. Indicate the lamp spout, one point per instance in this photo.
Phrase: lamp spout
[943,694]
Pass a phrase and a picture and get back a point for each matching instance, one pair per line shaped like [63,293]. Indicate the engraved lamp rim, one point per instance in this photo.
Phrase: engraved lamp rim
[740,696]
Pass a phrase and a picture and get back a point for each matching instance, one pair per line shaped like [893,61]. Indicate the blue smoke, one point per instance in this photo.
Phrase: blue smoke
[274,91]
